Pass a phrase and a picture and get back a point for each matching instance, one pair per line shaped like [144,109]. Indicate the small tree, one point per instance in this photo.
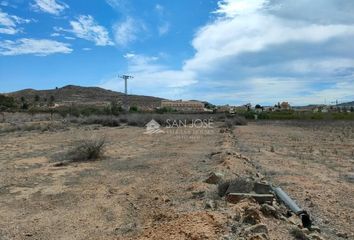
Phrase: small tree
[36,98]
[24,106]
[51,100]
[6,102]
[115,108]
[133,109]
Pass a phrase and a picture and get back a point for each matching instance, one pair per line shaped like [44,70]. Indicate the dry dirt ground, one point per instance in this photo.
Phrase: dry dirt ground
[152,186]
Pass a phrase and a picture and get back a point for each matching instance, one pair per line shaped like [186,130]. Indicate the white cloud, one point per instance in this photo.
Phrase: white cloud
[246,41]
[232,8]
[4,3]
[152,78]
[38,47]
[87,28]
[128,31]
[9,23]
[232,37]
[55,34]
[253,52]
[121,5]
[160,9]
[326,66]
[50,6]
[164,26]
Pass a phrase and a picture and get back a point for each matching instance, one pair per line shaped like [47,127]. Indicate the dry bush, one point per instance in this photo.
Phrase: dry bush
[235,121]
[88,150]
[29,126]
[141,119]
[106,121]
[228,123]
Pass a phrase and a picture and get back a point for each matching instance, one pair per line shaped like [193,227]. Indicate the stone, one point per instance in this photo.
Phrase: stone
[315,236]
[214,178]
[198,194]
[251,216]
[240,185]
[315,228]
[262,188]
[306,231]
[342,234]
[262,236]
[260,175]
[268,210]
[258,228]
[210,204]
[349,177]
[260,198]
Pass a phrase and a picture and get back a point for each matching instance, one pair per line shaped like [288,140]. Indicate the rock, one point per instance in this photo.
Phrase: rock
[262,188]
[198,194]
[251,216]
[61,164]
[298,233]
[125,229]
[315,228]
[258,228]
[268,210]
[294,220]
[260,175]
[211,204]
[315,236]
[262,236]
[260,198]
[349,177]
[342,234]
[214,178]
[166,199]
[240,185]
[237,216]
[306,231]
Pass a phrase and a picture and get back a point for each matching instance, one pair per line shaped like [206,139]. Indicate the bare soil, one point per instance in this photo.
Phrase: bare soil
[152,186]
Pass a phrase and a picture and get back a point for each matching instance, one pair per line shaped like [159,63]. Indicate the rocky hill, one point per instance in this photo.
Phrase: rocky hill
[77,95]
[347,104]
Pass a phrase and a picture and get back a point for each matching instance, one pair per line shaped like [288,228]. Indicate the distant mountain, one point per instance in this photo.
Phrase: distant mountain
[76,95]
[347,104]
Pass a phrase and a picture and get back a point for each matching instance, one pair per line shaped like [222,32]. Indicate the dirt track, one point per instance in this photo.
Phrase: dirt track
[151,187]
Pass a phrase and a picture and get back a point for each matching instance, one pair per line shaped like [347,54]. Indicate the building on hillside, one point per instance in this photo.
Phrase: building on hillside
[183,106]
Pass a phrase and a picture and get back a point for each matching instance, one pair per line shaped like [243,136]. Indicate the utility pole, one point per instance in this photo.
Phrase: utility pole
[126,77]
[125,98]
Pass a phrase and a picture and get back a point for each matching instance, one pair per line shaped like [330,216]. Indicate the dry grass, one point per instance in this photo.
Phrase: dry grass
[141,119]
[31,126]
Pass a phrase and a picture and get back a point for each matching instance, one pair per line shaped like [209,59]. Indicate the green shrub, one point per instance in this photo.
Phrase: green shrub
[6,102]
[133,109]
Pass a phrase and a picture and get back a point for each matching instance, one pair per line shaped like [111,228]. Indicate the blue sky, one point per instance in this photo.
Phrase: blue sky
[222,51]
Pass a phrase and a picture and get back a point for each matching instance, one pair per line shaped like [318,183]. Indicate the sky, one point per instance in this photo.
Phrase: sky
[221,51]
